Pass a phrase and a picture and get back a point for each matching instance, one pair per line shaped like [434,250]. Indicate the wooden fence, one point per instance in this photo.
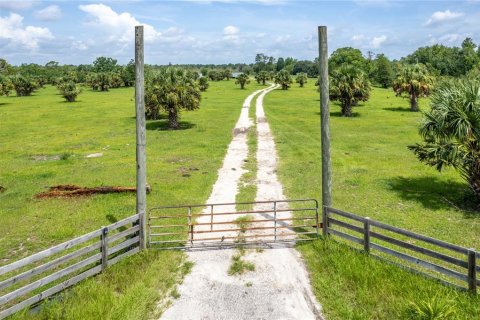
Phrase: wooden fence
[30,280]
[449,263]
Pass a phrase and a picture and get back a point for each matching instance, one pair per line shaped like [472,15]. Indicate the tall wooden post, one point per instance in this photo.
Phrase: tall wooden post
[141,137]
[325,118]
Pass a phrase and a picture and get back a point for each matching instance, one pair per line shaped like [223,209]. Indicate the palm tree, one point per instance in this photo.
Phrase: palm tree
[301,79]
[242,80]
[348,85]
[5,86]
[69,90]
[203,83]
[227,73]
[414,80]
[451,130]
[172,90]
[283,78]
[262,77]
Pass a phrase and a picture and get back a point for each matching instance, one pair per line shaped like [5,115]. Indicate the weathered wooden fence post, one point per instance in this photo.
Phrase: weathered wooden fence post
[104,247]
[472,271]
[324,124]
[141,136]
[366,235]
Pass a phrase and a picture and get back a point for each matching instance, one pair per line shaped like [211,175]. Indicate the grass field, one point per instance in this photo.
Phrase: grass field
[373,175]
[44,141]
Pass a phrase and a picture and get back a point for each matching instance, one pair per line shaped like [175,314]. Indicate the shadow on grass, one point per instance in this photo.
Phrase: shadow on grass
[162,125]
[436,194]
[340,115]
[112,219]
[4,103]
[397,109]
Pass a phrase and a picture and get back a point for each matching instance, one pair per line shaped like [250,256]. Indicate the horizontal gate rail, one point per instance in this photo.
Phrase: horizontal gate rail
[438,259]
[30,280]
[181,227]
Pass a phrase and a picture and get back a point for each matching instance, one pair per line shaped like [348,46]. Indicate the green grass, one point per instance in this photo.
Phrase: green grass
[373,175]
[351,285]
[44,141]
[239,266]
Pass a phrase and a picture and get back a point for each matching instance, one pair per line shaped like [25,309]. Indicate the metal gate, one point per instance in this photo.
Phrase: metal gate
[233,224]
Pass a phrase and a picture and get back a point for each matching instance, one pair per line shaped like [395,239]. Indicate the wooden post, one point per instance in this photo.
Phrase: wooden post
[366,235]
[141,137]
[324,220]
[472,272]
[324,118]
[104,248]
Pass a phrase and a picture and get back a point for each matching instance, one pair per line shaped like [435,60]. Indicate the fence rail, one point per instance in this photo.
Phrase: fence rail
[445,261]
[30,280]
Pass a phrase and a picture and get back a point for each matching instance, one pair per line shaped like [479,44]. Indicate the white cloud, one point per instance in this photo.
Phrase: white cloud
[377,41]
[49,13]
[119,27]
[12,29]
[231,33]
[79,45]
[230,30]
[443,16]
[17,4]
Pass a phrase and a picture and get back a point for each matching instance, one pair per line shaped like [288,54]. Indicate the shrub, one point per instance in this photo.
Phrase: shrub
[69,90]
[24,86]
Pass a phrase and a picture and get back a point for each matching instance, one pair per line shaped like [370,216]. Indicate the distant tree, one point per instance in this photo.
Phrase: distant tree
[438,59]
[91,80]
[242,80]
[346,56]
[284,79]
[227,74]
[103,80]
[469,55]
[247,70]
[301,79]
[383,72]
[305,66]
[215,75]
[5,67]
[348,85]
[451,130]
[262,76]
[127,74]
[195,75]
[415,81]
[204,72]
[203,83]
[5,85]
[271,75]
[171,90]
[105,64]
[289,64]
[280,64]
[24,86]
[69,90]
[115,80]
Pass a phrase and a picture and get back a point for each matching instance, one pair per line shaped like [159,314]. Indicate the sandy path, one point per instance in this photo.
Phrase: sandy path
[279,287]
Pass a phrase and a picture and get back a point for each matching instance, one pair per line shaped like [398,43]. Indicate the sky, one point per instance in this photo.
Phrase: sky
[224,31]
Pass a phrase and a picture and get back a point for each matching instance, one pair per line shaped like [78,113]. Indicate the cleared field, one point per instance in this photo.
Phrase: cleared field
[373,175]
[44,142]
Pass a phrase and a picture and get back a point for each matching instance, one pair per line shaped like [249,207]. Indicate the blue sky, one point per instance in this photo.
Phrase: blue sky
[201,31]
